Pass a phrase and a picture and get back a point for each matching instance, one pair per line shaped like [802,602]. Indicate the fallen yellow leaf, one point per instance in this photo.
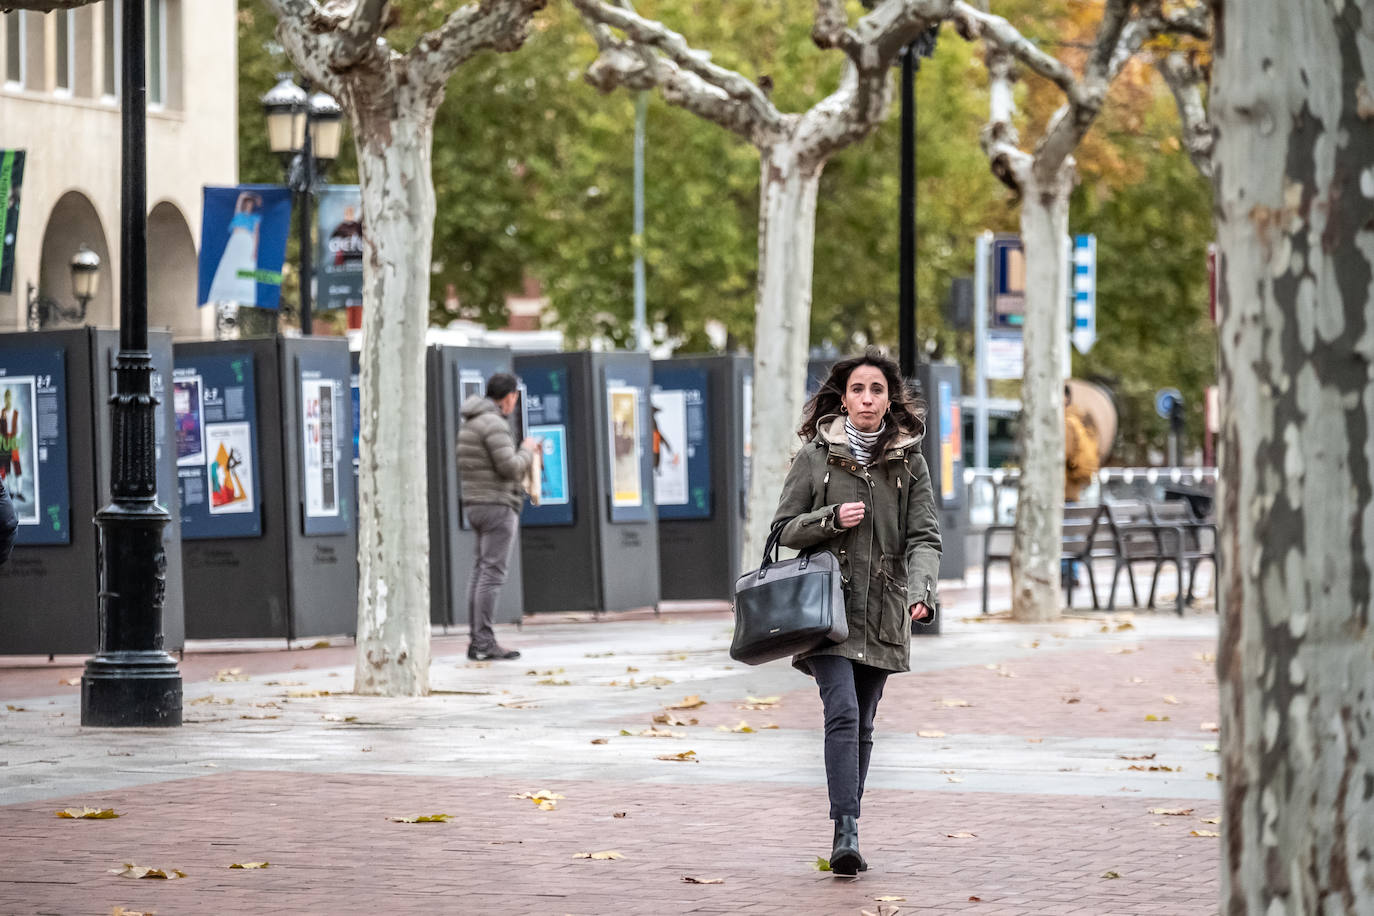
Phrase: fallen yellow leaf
[687,702]
[519,704]
[1214,777]
[543,799]
[955,703]
[1110,874]
[423,819]
[742,728]
[225,675]
[1171,700]
[601,741]
[930,734]
[689,880]
[120,911]
[1211,820]
[653,733]
[1176,812]
[554,682]
[822,864]
[1153,768]
[686,756]
[1136,756]
[89,813]
[306,694]
[1209,727]
[247,865]
[760,703]
[131,870]
[1203,833]
[1205,656]
[962,836]
[1154,718]
[70,682]
[607,854]
[669,719]
[888,898]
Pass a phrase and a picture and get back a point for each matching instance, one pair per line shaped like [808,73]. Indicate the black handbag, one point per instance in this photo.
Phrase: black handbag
[788,606]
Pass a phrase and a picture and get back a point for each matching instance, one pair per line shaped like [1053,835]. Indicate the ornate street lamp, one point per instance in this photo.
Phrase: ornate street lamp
[305,131]
[85,270]
[131,681]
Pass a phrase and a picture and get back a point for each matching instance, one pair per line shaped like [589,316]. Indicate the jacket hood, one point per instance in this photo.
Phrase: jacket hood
[831,430]
[477,405]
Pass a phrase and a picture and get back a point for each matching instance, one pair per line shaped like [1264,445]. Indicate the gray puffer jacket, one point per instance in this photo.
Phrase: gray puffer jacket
[490,465]
[9,524]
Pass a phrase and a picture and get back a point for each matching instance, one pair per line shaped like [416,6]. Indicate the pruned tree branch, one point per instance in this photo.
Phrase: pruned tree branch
[974,23]
[496,25]
[359,32]
[686,75]
[42,6]
[1000,141]
[1184,79]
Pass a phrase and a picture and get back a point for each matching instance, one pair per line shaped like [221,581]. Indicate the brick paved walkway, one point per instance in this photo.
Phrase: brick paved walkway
[1038,781]
[332,849]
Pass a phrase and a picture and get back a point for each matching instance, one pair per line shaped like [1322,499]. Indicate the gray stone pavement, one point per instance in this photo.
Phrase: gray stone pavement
[1024,713]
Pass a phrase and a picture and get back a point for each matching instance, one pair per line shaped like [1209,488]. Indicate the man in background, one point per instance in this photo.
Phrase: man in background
[9,524]
[490,469]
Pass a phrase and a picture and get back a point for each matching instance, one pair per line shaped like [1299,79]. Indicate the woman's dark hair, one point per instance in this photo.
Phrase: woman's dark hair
[500,385]
[905,413]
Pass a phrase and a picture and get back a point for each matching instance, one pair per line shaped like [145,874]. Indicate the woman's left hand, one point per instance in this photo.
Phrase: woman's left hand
[919,611]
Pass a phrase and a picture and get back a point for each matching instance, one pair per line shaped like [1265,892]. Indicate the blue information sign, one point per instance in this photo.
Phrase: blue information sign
[33,443]
[679,425]
[548,401]
[215,403]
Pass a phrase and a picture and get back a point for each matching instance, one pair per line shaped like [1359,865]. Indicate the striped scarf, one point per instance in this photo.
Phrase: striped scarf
[862,443]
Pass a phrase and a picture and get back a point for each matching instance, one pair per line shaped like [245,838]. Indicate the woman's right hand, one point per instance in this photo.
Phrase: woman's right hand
[849,514]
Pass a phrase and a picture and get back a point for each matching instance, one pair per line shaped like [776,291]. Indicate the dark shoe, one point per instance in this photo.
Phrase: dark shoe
[495,653]
[845,860]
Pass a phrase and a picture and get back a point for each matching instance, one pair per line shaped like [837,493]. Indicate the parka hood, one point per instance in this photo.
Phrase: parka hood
[477,405]
[831,430]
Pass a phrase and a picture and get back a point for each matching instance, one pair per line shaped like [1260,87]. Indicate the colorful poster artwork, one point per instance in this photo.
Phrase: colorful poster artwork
[553,479]
[189,408]
[471,384]
[18,451]
[622,405]
[668,426]
[229,446]
[319,403]
[948,432]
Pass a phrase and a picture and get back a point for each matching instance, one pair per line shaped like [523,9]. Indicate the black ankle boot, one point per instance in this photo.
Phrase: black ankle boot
[845,860]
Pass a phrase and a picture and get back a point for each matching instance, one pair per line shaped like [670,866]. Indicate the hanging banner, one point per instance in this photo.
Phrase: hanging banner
[243,234]
[33,443]
[339,252]
[11,182]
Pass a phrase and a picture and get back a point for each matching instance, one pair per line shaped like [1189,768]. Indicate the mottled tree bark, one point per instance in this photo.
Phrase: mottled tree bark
[391,100]
[1293,113]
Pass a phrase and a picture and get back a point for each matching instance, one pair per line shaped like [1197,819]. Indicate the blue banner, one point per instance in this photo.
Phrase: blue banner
[243,234]
[33,443]
[339,251]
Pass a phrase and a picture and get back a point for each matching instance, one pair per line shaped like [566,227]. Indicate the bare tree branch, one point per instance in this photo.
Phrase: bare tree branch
[42,6]
[999,139]
[830,24]
[1184,79]
[974,23]
[497,25]
[1114,18]
[359,32]
[686,75]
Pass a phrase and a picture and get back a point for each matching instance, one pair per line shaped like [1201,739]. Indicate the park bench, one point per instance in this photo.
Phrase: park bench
[1083,536]
[1186,539]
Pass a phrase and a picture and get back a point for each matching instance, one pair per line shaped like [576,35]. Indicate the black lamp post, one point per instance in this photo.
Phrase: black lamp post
[85,268]
[304,130]
[131,681]
[923,46]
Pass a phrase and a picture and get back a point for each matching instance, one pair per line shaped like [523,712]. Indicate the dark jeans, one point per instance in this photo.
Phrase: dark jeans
[495,527]
[850,692]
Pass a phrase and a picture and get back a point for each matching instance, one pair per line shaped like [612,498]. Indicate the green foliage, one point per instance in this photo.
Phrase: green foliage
[1153,326]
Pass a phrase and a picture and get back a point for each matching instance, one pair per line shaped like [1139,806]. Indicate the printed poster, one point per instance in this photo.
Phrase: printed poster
[11,183]
[668,427]
[339,252]
[470,384]
[189,407]
[230,447]
[553,481]
[18,448]
[622,405]
[243,245]
[319,403]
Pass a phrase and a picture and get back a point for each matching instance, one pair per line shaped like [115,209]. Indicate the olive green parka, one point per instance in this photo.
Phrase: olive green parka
[883,577]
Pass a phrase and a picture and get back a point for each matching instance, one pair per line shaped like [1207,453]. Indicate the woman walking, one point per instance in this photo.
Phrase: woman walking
[860,488]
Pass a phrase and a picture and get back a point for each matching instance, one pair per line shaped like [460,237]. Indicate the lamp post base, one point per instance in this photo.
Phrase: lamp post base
[131,689]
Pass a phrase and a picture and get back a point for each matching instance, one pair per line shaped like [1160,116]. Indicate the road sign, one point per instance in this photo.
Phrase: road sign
[1006,356]
[1084,292]
[1165,398]
[1008,282]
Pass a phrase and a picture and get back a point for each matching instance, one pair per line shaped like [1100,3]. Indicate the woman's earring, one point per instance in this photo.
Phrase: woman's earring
[844,409]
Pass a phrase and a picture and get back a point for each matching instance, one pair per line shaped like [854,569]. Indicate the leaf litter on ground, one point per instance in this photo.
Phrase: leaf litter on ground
[684,757]
[250,865]
[130,870]
[665,718]
[228,675]
[687,879]
[423,819]
[653,733]
[544,800]
[605,854]
[94,814]
[692,701]
[742,728]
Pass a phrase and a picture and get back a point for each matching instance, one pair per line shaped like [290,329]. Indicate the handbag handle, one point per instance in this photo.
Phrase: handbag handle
[774,542]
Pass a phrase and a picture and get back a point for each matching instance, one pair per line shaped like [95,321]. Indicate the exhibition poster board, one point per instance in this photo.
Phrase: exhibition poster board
[627,413]
[547,402]
[679,425]
[33,443]
[323,425]
[215,403]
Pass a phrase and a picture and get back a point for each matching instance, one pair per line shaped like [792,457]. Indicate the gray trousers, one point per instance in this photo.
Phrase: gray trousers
[495,526]
[850,692]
